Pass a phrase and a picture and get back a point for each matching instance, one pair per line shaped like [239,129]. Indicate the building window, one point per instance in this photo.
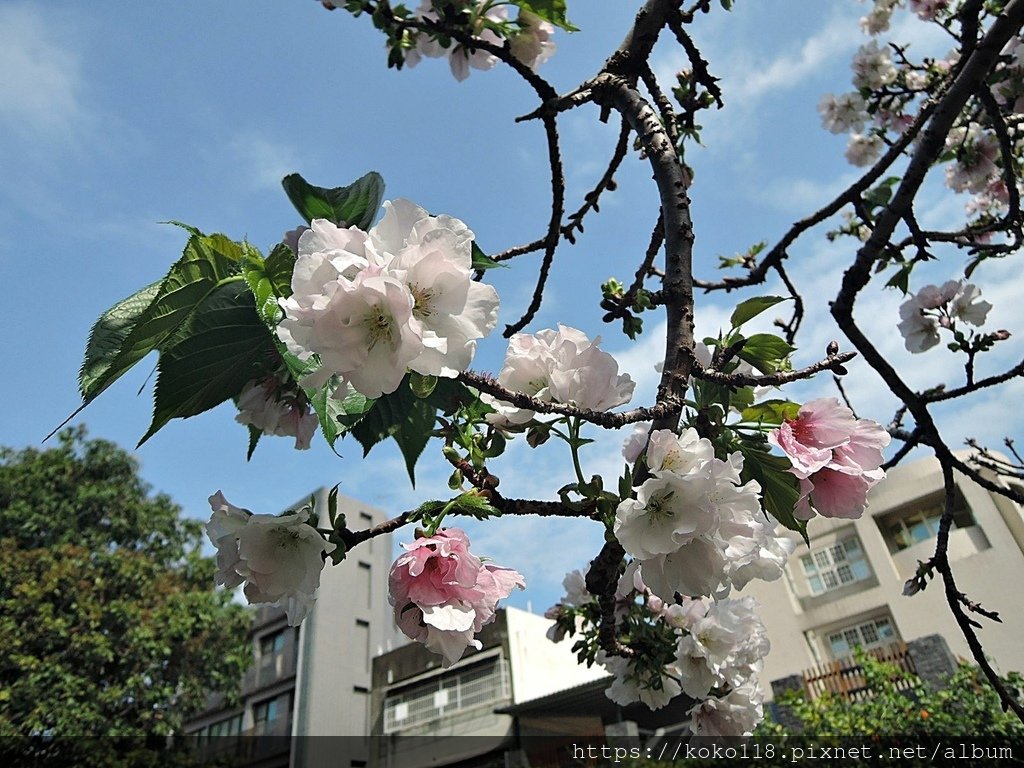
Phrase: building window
[481,685]
[904,528]
[869,634]
[273,644]
[835,566]
[230,727]
[272,717]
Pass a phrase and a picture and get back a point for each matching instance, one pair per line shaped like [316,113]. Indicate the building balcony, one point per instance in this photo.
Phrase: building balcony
[270,669]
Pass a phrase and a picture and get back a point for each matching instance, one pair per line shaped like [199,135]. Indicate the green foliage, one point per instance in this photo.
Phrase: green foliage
[200,317]
[751,308]
[223,348]
[901,712]
[778,486]
[549,10]
[408,418]
[766,352]
[110,628]
[354,205]
[481,261]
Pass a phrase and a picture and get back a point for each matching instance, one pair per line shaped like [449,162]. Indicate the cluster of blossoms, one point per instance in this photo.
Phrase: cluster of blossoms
[877,19]
[372,305]
[693,527]
[714,654]
[836,457]
[531,43]
[562,366]
[885,94]
[975,169]
[443,594]
[274,409]
[277,558]
[934,307]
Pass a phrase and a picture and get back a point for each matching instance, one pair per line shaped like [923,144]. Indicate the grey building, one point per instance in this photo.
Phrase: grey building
[424,714]
[314,679]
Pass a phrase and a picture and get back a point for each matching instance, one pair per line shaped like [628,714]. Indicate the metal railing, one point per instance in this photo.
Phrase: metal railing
[482,685]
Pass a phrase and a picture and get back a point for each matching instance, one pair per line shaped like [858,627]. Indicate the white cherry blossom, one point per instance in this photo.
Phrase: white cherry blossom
[278,558]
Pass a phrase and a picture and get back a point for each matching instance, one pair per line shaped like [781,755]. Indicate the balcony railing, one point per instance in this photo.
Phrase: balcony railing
[845,677]
[479,686]
[270,669]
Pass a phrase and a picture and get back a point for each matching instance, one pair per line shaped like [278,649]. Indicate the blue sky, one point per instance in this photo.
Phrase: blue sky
[116,117]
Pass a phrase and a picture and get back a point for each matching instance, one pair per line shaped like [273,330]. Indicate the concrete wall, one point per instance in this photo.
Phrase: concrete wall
[539,666]
[349,625]
[987,562]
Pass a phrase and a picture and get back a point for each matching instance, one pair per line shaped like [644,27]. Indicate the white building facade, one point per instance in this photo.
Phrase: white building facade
[846,589]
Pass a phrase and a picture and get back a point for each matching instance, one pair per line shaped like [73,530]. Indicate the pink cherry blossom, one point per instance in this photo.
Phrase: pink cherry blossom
[836,457]
[808,440]
[443,594]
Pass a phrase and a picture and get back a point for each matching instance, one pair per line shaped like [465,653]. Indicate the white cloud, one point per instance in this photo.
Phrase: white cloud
[789,70]
[41,87]
[265,162]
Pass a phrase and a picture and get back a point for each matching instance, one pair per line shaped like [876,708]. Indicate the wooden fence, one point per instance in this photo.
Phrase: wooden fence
[844,677]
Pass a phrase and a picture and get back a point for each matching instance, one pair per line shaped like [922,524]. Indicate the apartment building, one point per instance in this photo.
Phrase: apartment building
[314,679]
[846,589]
[424,714]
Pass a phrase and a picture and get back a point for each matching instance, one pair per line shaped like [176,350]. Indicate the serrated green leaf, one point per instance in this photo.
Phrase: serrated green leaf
[254,437]
[765,351]
[549,10]
[279,266]
[402,416]
[751,308]
[216,352]
[107,337]
[482,261]
[771,411]
[337,416]
[207,263]
[901,279]
[472,503]
[780,489]
[354,205]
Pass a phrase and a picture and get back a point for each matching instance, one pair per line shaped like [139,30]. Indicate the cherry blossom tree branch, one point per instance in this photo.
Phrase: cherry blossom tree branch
[956,599]
[664,408]
[832,362]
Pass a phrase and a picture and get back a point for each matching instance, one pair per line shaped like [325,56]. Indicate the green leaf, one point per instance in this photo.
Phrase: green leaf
[337,416]
[771,411]
[482,261]
[279,266]
[765,351]
[107,337]
[207,263]
[779,487]
[254,437]
[220,348]
[742,398]
[403,416]
[751,308]
[422,386]
[901,279]
[473,504]
[549,10]
[354,205]
[409,419]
